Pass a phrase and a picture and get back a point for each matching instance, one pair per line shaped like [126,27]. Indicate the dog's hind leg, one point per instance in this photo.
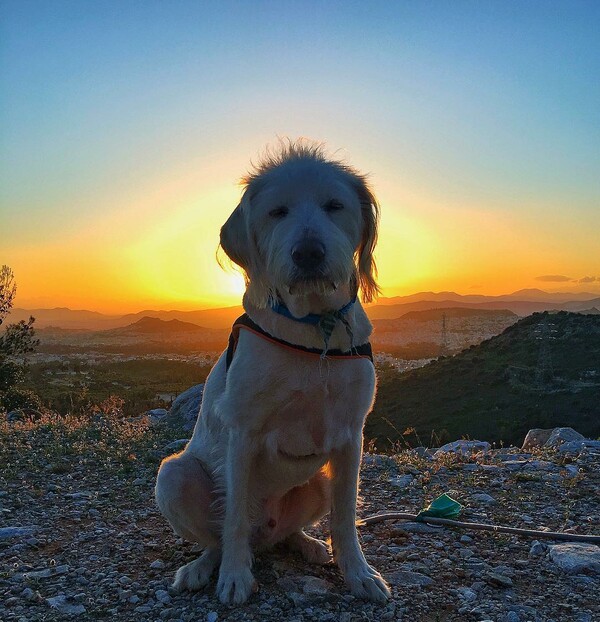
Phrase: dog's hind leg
[314,551]
[185,495]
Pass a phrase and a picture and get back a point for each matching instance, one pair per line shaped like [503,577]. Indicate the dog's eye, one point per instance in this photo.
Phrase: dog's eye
[279,212]
[333,206]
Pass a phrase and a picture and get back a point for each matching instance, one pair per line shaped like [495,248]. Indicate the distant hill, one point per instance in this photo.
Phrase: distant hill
[428,315]
[543,371]
[520,307]
[523,302]
[531,295]
[155,325]
[91,320]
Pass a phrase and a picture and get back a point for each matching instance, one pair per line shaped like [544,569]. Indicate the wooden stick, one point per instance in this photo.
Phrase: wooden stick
[549,535]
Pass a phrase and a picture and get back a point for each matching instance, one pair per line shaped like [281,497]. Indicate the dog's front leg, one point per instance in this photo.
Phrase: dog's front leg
[236,582]
[364,581]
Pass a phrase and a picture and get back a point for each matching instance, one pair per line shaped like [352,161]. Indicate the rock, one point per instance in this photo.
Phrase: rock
[467,594]
[401,481]
[537,549]
[157,564]
[419,528]
[537,437]
[65,605]
[401,578]
[6,533]
[29,594]
[212,616]
[380,461]
[314,586]
[483,497]
[560,436]
[48,572]
[185,408]
[498,580]
[162,596]
[156,416]
[576,557]
[463,448]
[576,447]
[177,445]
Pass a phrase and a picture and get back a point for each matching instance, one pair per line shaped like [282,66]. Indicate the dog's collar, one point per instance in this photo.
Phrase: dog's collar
[312,318]
[244,322]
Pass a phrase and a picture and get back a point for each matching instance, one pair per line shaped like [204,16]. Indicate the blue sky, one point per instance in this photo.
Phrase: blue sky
[492,105]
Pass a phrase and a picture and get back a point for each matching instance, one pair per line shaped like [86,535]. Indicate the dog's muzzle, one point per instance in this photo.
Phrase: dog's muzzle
[309,256]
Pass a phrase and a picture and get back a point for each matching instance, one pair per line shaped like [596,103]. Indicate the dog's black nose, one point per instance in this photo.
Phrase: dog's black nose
[308,254]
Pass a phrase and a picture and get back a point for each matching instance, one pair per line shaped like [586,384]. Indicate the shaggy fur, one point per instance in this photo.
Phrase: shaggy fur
[278,442]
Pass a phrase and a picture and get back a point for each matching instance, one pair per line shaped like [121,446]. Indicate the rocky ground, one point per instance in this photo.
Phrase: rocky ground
[81,537]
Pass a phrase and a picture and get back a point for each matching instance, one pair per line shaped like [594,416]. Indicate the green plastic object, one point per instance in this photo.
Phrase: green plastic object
[442,507]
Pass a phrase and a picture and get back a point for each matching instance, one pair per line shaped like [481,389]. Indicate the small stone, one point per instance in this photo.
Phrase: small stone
[483,497]
[498,580]
[401,578]
[29,594]
[6,533]
[467,594]
[162,596]
[537,549]
[577,447]
[401,481]
[157,564]
[313,586]
[212,616]
[419,528]
[575,558]
[48,572]
[177,445]
[65,605]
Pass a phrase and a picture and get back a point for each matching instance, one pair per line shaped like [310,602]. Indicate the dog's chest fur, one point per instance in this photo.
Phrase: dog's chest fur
[297,408]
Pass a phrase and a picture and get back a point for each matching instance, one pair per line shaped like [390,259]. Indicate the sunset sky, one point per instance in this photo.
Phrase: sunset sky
[125,127]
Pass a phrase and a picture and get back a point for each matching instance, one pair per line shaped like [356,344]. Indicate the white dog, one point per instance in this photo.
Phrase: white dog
[278,442]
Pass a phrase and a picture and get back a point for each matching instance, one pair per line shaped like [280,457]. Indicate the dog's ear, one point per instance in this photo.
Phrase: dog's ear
[365,261]
[235,237]
[238,241]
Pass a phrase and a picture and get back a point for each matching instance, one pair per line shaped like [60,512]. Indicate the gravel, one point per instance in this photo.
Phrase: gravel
[101,550]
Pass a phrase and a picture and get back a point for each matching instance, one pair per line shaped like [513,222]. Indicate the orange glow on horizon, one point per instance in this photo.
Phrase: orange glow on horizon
[157,250]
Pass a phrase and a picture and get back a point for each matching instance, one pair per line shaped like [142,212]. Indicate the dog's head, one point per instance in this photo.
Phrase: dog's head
[305,224]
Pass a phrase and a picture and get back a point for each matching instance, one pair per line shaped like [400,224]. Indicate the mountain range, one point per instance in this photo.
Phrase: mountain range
[523,302]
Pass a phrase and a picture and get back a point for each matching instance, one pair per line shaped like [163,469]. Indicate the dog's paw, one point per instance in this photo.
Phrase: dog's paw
[235,587]
[196,575]
[365,582]
[312,550]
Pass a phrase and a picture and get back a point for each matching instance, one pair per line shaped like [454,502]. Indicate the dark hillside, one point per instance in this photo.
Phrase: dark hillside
[543,371]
